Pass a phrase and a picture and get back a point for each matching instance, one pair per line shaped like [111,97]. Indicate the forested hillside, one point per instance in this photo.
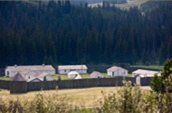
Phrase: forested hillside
[59,33]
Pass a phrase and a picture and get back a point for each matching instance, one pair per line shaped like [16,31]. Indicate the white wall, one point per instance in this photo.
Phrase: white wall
[81,71]
[13,73]
[120,72]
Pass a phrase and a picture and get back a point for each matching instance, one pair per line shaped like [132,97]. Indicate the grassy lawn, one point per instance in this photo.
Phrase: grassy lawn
[63,77]
[84,76]
[4,78]
[149,67]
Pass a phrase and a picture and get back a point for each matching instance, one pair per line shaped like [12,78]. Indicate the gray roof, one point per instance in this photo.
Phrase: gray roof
[62,67]
[115,68]
[143,71]
[18,77]
[96,74]
[30,68]
[30,76]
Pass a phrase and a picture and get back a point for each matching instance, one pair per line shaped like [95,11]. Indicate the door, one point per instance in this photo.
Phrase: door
[138,80]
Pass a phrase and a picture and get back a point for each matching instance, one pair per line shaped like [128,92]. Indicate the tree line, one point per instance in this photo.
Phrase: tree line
[60,33]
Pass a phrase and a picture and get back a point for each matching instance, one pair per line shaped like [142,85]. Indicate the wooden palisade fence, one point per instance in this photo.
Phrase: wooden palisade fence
[23,87]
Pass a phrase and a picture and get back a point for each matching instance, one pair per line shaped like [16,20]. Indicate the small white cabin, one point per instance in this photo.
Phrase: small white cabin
[141,73]
[73,75]
[96,74]
[145,73]
[117,71]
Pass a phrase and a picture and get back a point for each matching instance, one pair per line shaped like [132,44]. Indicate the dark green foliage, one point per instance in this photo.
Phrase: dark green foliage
[167,71]
[58,33]
[164,82]
[157,83]
[129,99]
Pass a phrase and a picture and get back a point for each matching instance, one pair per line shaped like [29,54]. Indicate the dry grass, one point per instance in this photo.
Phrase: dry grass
[87,97]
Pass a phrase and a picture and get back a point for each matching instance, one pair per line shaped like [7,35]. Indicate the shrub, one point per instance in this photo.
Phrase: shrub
[126,100]
[157,84]
[163,83]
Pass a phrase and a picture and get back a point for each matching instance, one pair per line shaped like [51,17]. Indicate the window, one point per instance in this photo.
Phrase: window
[113,74]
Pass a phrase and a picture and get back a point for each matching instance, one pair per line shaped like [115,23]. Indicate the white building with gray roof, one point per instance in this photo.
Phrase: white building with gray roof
[11,71]
[65,69]
[117,71]
[145,73]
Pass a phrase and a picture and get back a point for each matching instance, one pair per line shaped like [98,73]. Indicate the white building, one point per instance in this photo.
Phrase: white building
[96,74]
[141,73]
[74,75]
[144,73]
[78,77]
[65,69]
[33,77]
[117,71]
[11,71]
[38,78]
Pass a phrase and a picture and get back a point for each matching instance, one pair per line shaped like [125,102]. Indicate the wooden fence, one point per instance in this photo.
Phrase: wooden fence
[23,87]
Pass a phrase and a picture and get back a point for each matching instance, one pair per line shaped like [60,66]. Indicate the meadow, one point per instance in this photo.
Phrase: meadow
[87,97]
[125,99]
[81,98]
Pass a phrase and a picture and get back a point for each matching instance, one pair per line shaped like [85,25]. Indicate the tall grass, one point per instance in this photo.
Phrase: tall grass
[128,99]
[131,99]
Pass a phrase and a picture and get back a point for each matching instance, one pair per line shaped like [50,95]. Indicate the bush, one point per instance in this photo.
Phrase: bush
[126,100]
[157,84]
[163,83]
[134,100]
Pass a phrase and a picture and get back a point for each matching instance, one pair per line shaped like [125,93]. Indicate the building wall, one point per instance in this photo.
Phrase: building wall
[134,74]
[81,71]
[13,73]
[23,87]
[120,72]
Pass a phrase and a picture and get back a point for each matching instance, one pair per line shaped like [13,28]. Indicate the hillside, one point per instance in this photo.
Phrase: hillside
[60,33]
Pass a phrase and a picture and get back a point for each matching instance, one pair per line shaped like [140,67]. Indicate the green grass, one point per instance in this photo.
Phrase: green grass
[4,78]
[84,76]
[149,67]
[63,77]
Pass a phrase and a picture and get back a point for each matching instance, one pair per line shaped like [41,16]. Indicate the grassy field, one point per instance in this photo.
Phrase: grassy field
[64,77]
[4,78]
[149,67]
[87,97]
